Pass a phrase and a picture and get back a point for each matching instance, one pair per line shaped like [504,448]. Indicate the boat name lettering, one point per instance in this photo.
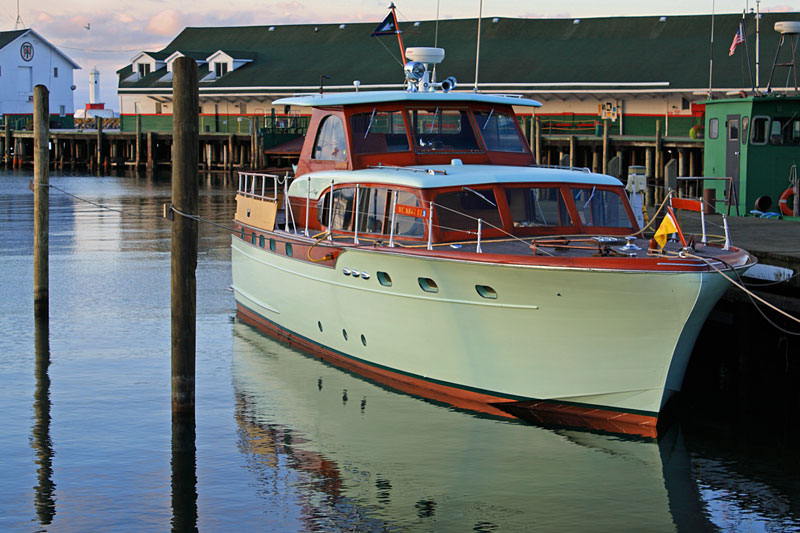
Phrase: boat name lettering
[410,211]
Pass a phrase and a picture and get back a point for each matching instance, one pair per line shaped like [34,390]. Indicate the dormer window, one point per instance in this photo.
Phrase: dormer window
[220,69]
[144,69]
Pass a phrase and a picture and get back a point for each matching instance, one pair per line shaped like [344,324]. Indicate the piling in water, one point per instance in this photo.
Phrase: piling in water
[41,201]
[184,233]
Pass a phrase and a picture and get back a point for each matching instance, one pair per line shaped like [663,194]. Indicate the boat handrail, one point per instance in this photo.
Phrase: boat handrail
[412,169]
[563,167]
[249,185]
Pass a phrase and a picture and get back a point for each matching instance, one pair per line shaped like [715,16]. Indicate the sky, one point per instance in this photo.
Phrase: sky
[108,34]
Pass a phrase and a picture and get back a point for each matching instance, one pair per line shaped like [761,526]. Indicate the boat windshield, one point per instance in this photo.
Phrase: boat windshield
[499,132]
[533,207]
[378,132]
[601,207]
[442,130]
[460,210]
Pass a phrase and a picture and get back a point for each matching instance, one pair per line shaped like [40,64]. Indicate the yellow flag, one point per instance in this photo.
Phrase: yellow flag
[667,227]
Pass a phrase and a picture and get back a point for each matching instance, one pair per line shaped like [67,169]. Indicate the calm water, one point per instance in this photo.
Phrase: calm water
[284,442]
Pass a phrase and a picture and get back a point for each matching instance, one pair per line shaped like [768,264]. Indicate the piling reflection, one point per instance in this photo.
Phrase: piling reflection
[395,461]
[44,491]
[184,474]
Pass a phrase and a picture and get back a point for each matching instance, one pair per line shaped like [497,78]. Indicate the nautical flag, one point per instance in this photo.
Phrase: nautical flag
[667,227]
[737,39]
[387,27]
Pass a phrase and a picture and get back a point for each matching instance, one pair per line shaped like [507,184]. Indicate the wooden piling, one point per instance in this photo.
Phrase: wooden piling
[605,147]
[98,121]
[572,150]
[138,158]
[659,165]
[7,154]
[186,140]
[538,140]
[41,202]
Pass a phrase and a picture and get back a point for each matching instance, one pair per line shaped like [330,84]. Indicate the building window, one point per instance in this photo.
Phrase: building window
[55,72]
[62,111]
[220,69]
[158,108]
[144,69]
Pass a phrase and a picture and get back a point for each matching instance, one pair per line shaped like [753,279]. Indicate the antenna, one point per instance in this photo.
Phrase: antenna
[19,22]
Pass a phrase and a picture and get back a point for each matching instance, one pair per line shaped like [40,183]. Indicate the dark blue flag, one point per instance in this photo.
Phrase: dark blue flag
[387,27]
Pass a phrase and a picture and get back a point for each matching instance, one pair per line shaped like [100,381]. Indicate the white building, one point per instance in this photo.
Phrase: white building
[27,60]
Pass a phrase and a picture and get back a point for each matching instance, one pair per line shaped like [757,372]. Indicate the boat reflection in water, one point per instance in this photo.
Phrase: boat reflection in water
[366,458]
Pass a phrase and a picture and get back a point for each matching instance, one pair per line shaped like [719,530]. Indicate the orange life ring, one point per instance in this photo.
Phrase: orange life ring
[784,202]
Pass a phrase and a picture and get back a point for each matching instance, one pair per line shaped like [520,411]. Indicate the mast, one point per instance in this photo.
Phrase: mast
[399,36]
[19,22]
[478,51]
[711,52]
[758,38]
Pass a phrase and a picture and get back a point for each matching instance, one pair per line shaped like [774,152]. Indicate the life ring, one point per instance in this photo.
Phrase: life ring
[784,202]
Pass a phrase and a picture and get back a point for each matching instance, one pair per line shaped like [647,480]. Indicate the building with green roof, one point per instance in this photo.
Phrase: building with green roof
[631,71]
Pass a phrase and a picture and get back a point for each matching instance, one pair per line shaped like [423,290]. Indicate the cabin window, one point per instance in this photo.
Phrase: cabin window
[407,225]
[759,130]
[499,131]
[371,209]
[330,144]
[532,207]
[378,132]
[460,210]
[745,124]
[733,130]
[785,131]
[442,130]
[598,207]
[713,128]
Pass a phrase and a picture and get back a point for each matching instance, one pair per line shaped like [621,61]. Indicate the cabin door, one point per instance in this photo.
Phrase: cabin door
[732,157]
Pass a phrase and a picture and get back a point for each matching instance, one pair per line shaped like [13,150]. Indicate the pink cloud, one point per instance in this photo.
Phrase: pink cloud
[168,23]
[778,9]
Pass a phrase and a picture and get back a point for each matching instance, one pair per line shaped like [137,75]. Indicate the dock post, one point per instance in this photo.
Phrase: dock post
[648,166]
[605,147]
[98,121]
[150,149]
[138,158]
[538,141]
[7,152]
[186,142]
[659,164]
[572,151]
[41,202]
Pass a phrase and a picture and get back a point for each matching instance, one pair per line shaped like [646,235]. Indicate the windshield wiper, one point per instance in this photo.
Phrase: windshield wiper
[369,127]
[473,191]
[488,119]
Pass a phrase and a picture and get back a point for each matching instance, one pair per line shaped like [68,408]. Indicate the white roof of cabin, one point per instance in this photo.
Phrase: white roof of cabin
[376,97]
[453,175]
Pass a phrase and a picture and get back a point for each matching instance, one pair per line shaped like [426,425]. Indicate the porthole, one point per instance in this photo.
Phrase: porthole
[261,241]
[288,250]
[486,291]
[363,340]
[428,285]
[344,334]
[384,279]
[272,245]
[319,325]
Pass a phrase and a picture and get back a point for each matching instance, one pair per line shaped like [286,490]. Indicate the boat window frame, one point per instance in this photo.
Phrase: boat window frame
[400,110]
[754,130]
[505,110]
[563,190]
[490,231]
[593,229]
[345,153]
[425,106]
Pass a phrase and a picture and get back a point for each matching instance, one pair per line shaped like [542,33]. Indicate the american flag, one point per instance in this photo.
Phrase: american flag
[737,39]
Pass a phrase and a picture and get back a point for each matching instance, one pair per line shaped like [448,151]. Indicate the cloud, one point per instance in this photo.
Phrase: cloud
[167,22]
[778,9]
